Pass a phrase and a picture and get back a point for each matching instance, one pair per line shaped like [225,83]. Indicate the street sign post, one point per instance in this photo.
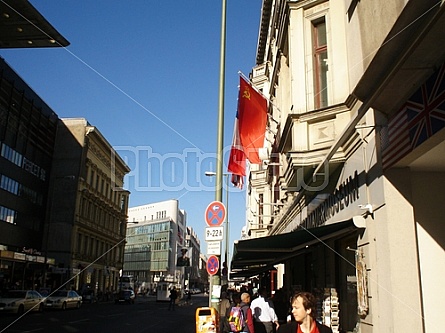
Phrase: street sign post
[214,234]
[215,214]
[214,248]
[212,265]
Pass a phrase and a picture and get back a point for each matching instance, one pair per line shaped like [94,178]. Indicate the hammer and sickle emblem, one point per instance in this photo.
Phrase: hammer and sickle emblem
[246,93]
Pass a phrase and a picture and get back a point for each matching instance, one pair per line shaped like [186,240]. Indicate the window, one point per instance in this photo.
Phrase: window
[8,215]
[260,210]
[92,177]
[320,49]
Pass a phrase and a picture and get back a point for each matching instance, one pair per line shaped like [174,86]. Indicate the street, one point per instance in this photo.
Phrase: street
[146,315]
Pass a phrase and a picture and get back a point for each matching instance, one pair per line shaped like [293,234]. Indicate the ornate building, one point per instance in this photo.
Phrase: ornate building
[88,209]
[347,203]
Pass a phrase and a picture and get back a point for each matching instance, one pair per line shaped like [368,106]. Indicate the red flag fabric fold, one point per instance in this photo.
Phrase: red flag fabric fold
[249,131]
[237,159]
[252,119]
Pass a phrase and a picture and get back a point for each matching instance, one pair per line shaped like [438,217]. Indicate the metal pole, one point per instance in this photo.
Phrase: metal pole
[220,132]
[215,279]
[227,226]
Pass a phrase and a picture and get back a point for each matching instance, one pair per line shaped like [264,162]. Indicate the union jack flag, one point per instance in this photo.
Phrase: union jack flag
[419,118]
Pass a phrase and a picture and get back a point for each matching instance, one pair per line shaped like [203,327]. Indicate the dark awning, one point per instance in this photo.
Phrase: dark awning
[253,256]
[22,26]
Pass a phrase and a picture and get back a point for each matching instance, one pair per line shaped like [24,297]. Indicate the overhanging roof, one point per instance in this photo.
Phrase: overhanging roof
[22,26]
[411,52]
[254,256]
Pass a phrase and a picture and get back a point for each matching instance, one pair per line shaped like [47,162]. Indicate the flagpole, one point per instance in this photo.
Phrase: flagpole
[215,279]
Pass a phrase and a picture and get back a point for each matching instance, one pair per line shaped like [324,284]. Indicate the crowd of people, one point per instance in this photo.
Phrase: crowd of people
[281,313]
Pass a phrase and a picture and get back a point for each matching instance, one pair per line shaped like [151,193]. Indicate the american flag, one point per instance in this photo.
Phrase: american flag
[419,118]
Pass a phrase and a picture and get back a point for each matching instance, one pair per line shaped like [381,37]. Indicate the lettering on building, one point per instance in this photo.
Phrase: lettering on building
[343,196]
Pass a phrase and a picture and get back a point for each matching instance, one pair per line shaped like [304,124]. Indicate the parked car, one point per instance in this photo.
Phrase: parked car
[125,296]
[64,299]
[19,301]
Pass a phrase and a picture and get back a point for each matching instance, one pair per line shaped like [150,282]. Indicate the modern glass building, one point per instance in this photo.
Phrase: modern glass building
[155,236]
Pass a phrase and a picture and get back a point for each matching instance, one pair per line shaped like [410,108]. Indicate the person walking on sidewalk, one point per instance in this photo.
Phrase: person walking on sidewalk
[264,314]
[173,296]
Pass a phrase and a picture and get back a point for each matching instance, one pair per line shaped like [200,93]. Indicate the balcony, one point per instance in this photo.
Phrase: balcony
[306,140]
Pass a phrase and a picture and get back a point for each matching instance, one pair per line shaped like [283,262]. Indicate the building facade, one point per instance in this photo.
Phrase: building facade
[62,207]
[27,134]
[88,207]
[156,234]
[27,137]
[347,201]
[196,277]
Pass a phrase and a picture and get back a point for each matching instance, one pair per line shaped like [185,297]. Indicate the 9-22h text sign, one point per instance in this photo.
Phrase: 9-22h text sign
[214,234]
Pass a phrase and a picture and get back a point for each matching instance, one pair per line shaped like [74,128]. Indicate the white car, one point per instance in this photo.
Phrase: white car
[19,301]
[63,299]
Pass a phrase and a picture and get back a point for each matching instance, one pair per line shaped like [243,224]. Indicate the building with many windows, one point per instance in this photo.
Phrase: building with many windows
[86,229]
[197,278]
[157,234]
[27,134]
[347,202]
[62,204]
[27,137]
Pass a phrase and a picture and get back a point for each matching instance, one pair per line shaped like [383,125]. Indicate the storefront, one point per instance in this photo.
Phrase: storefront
[320,260]
[20,270]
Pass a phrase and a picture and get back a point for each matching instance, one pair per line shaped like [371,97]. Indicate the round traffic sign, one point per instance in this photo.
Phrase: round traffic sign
[212,265]
[215,214]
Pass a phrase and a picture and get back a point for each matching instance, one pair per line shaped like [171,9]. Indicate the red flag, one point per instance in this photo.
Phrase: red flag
[237,181]
[237,159]
[252,119]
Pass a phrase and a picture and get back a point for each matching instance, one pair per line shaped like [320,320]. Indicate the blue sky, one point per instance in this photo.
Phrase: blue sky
[146,74]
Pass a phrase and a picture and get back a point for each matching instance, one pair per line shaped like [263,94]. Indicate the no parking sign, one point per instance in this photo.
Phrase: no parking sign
[215,214]
[212,265]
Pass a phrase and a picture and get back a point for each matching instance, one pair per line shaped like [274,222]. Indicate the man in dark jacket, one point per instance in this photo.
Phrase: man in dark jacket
[304,312]
[247,313]
[173,296]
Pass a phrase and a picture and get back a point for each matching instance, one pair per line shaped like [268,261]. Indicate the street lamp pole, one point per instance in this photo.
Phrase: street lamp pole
[220,133]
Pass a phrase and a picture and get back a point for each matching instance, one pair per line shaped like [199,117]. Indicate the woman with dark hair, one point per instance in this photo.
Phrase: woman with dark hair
[304,312]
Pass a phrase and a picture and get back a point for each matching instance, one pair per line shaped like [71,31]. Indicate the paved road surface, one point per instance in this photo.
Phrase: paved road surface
[145,316]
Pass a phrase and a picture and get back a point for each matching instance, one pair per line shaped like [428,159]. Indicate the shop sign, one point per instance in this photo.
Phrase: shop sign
[362,284]
[343,196]
[6,254]
[19,256]
[31,251]
[31,258]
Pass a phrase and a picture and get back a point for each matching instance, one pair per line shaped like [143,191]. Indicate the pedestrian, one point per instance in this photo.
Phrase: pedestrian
[304,306]
[224,309]
[247,313]
[173,296]
[264,314]
[281,305]
[189,297]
